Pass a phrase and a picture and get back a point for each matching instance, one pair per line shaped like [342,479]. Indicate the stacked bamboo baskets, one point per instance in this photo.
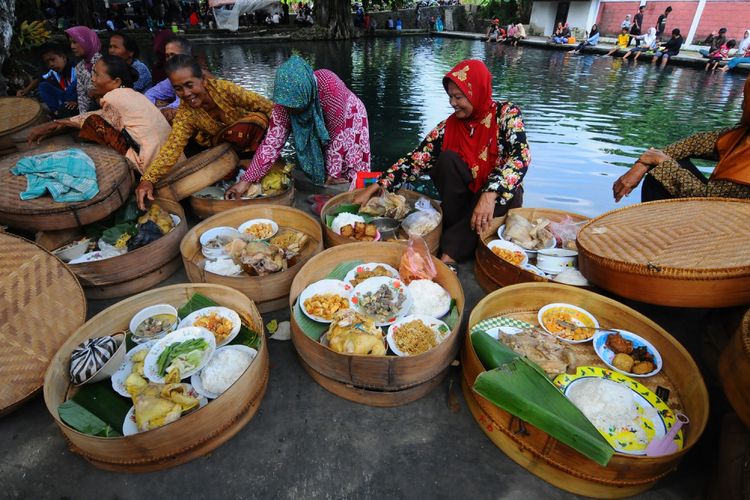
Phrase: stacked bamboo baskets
[689,252]
[556,463]
[193,435]
[197,172]
[734,370]
[491,271]
[373,380]
[34,285]
[332,239]
[268,292]
[16,115]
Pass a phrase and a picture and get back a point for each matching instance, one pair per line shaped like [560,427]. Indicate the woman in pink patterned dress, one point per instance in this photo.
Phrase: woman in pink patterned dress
[327,121]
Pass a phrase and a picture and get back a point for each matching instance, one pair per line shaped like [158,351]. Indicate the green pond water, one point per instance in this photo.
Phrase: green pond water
[586,116]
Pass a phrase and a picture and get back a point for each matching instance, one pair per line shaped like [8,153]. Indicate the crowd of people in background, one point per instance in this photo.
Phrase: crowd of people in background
[510,34]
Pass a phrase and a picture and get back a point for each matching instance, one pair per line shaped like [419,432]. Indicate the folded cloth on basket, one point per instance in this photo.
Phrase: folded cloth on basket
[69,176]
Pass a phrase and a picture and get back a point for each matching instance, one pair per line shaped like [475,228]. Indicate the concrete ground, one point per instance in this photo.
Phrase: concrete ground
[307,443]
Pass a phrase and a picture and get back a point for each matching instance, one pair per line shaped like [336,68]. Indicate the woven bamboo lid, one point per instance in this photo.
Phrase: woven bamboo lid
[42,214]
[197,172]
[16,113]
[688,252]
[41,305]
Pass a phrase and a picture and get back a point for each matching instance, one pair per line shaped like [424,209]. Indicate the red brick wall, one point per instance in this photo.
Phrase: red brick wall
[734,15]
[612,14]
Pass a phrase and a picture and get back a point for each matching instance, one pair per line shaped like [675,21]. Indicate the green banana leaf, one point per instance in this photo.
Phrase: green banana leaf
[101,400]
[82,420]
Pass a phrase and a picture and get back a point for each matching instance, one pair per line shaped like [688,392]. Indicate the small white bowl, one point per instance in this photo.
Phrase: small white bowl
[72,250]
[556,260]
[513,248]
[216,253]
[113,363]
[147,313]
[571,307]
[250,223]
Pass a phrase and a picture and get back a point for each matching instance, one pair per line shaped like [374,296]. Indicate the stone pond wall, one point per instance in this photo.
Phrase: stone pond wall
[462,17]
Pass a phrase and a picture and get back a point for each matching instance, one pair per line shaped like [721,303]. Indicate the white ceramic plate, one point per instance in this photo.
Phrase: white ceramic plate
[351,275]
[224,312]
[91,257]
[445,307]
[217,253]
[607,355]
[197,383]
[512,247]
[248,224]
[372,285]
[577,313]
[180,335]
[441,330]
[129,427]
[122,373]
[322,287]
[530,253]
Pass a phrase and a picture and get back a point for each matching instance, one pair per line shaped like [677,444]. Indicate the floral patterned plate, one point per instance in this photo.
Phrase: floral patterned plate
[388,313]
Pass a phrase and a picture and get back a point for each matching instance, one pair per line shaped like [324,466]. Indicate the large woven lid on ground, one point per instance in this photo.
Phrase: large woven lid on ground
[197,172]
[41,305]
[17,112]
[689,252]
[44,214]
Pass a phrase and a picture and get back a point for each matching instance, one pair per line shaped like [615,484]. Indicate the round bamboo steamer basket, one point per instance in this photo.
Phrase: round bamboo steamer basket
[689,252]
[197,172]
[191,436]
[115,181]
[384,381]
[16,114]
[269,292]
[556,463]
[332,239]
[32,282]
[491,271]
[21,143]
[734,370]
[132,272]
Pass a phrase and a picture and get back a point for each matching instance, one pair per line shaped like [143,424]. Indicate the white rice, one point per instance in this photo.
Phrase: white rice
[224,369]
[345,219]
[224,267]
[429,298]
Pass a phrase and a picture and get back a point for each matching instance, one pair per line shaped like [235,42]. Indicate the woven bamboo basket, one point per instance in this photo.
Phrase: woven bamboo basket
[16,114]
[132,272]
[269,292]
[491,271]
[374,380]
[115,181]
[20,141]
[689,252]
[734,370]
[193,435]
[33,282]
[556,463]
[197,172]
[332,239]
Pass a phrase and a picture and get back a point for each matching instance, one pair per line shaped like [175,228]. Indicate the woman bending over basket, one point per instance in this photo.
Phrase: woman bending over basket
[477,159]
[127,121]
[327,120]
[212,111]
[669,173]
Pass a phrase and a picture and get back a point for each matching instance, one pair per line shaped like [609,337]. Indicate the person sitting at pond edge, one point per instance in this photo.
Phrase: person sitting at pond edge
[519,35]
[743,54]
[389,24]
[669,173]
[327,121]
[124,47]
[57,86]
[720,55]
[650,43]
[211,111]
[591,40]
[127,122]
[477,159]
[85,44]
[670,49]
[562,35]
[623,39]
[714,41]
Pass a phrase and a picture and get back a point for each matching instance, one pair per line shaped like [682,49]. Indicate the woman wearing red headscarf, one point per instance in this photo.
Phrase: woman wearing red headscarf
[669,173]
[477,159]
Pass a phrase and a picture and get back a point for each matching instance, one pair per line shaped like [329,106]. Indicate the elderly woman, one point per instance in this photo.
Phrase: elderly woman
[671,174]
[328,123]
[211,111]
[477,159]
[127,121]
[124,47]
[85,44]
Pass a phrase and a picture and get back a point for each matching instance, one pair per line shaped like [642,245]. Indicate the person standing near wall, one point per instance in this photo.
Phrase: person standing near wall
[661,23]
[637,27]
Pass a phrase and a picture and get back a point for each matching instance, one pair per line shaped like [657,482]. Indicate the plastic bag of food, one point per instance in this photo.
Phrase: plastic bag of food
[424,220]
[565,232]
[416,261]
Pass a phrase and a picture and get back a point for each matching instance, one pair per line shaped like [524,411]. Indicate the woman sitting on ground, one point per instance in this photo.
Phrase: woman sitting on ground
[519,34]
[85,45]
[127,122]
[650,42]
[327,120]
[670,49]
[720,55]
[669,173]
[743,54]
[477,159]
[124,47]
[562,34]
[211,111]
[591,40]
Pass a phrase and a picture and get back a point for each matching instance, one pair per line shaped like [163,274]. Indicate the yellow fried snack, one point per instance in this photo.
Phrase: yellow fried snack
[260,231]
[220,326]
[325,305]
[514,257]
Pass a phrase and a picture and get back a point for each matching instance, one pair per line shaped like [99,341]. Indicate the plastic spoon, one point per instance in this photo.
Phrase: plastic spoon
[666,446]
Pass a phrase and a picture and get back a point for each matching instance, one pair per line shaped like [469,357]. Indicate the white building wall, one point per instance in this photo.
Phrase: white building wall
[578,15]
[543,17]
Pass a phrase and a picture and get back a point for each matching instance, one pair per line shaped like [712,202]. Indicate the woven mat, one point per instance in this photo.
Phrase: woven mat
[198,162]
[692,235]
[112,170]
[41,305]
[17,112]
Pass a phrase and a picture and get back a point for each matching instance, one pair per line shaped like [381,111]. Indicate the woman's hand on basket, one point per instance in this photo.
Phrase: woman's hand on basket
[144,190]
[237,190]
[42,131]
[484,211]
[364,195]
[629,180]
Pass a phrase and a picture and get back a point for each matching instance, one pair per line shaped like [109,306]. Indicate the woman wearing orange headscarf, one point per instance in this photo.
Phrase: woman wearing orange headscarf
[477,159]
[669,173]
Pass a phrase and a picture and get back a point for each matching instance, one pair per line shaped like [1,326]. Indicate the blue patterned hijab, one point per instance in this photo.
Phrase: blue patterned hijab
[297,90]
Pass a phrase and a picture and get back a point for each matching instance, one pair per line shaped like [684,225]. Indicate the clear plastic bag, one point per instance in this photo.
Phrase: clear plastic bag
[424,220]
[416,261]
[565,232]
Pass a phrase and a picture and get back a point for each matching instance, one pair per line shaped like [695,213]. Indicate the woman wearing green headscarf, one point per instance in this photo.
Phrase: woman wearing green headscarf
[327,121]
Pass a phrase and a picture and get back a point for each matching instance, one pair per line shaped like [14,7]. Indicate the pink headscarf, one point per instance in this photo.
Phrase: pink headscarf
[88,40]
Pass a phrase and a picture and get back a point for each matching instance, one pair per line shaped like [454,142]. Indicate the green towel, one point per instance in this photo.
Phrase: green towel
[69,176]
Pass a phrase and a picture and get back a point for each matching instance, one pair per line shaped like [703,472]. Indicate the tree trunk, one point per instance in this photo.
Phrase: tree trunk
[7,20]
[335,15]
